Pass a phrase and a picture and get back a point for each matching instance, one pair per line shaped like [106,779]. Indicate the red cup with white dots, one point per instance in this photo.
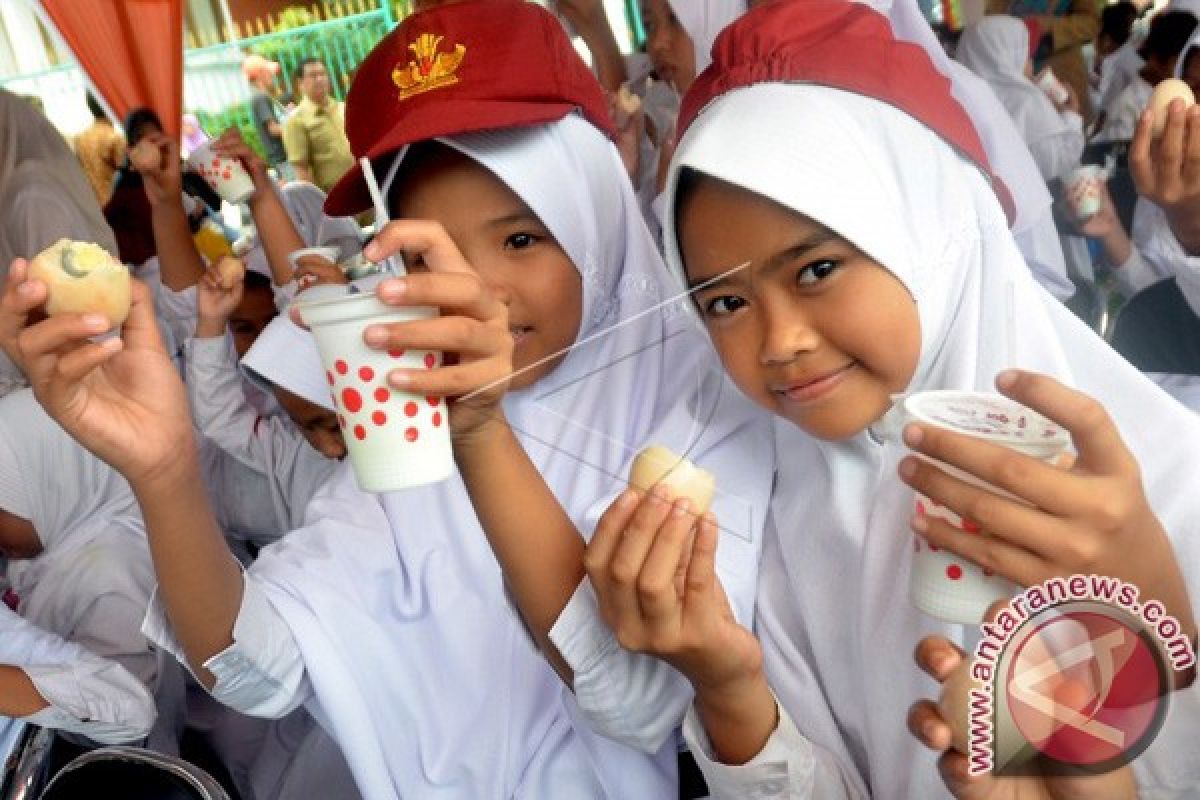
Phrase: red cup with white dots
[943,584]
[394,439]
[225,175]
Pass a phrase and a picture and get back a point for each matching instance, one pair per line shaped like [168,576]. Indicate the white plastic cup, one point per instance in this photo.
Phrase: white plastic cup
[1049,83]
[1084,189]
[943,584]
[225,175]
[395,440]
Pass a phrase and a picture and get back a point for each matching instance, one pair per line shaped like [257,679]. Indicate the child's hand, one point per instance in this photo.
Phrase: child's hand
[214,303]
[1104,222]
[231,145]
[1090,518]
[472,330]
[658,590]
[1166,171]
[121,398]
[313,270]
[163,183]
[631,128]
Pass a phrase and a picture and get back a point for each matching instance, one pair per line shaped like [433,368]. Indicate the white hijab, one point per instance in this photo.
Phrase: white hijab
[704,20]
[996,49]
[837,629]
[420,667]
[71,497]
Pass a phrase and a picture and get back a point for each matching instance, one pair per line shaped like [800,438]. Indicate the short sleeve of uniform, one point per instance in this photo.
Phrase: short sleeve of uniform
[295,140]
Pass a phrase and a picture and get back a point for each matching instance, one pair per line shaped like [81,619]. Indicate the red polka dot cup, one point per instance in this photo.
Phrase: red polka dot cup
[942,584]
[226,176]
[395,440]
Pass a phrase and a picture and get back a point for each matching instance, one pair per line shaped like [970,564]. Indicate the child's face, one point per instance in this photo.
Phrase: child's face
[250,317]
[18,539]
[505,243]
[812,330]
[668,44]
[319,425]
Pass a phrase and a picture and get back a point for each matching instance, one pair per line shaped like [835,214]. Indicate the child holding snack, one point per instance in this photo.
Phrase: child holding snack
[879,266]
[388,617]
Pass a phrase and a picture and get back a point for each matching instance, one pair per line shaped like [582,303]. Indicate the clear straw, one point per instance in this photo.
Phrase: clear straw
[394,265]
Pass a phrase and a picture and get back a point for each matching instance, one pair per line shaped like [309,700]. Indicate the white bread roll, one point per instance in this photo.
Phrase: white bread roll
[657,464]
[232,272]
[83,278]
[1160,101]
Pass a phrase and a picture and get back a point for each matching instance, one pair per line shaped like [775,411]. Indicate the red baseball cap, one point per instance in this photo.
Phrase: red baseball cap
[459,68]
[844,46]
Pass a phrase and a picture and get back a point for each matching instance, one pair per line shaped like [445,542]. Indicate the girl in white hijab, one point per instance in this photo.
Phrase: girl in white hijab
[1030,217]
[50,682]
[388,617]
[90,578]
[891,218]
[997,49]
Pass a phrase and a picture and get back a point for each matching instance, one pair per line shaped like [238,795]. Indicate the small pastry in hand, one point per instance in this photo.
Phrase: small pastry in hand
[232,271]
[657,464]
[83,278]
[1160,102]
[145,156]
[628,102]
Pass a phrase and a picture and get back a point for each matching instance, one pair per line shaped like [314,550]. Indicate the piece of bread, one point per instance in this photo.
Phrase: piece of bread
[83,278]
[145,156]
[657,464]
[231,270]
[1160,101]
[627,101]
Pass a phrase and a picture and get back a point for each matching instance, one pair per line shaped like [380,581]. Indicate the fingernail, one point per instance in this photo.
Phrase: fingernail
[682,506]
[919,523]
[393,289]
[26,289]
[929,730]
[399,378]
[1007,379]
[96,322]
[658,495]
[908,468]
[373,252]
[627,500]
[376,336]
[913,435]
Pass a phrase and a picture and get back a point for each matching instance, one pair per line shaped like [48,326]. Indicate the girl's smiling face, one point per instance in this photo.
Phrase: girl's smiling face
[812,330]
[505,242]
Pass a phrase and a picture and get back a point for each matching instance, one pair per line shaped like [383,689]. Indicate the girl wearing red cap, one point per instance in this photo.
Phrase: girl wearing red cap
[388,617]
[830,160]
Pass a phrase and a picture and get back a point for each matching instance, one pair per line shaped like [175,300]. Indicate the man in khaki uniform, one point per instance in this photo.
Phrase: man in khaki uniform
[315,134]
[1071,24]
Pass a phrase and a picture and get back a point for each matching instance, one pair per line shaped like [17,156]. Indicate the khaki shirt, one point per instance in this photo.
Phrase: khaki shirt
[316,138]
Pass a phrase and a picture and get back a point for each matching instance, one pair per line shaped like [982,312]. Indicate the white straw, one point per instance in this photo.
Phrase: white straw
[1010,311]
[394,265]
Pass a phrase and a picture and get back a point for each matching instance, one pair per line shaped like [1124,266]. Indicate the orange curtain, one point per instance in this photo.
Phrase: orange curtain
[131,49]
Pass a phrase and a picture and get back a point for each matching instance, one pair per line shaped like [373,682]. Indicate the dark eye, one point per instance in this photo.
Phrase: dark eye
[723,306]
[816,272]
[519,241]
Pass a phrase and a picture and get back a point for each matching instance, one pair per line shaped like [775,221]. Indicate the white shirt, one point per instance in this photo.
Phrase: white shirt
[1122,115]
[87,695]
[285,470]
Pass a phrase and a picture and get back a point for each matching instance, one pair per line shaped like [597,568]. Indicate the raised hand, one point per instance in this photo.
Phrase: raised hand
[214,303]
[120,397]
[1166,170]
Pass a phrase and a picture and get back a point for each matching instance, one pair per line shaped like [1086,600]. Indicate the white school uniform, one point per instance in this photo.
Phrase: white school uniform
[996,49]
[286,470]
[93,580]
[87,695]
[387,616]
[837,629]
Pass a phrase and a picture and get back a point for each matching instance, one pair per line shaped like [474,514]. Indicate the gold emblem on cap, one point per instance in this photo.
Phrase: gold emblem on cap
[429,69]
